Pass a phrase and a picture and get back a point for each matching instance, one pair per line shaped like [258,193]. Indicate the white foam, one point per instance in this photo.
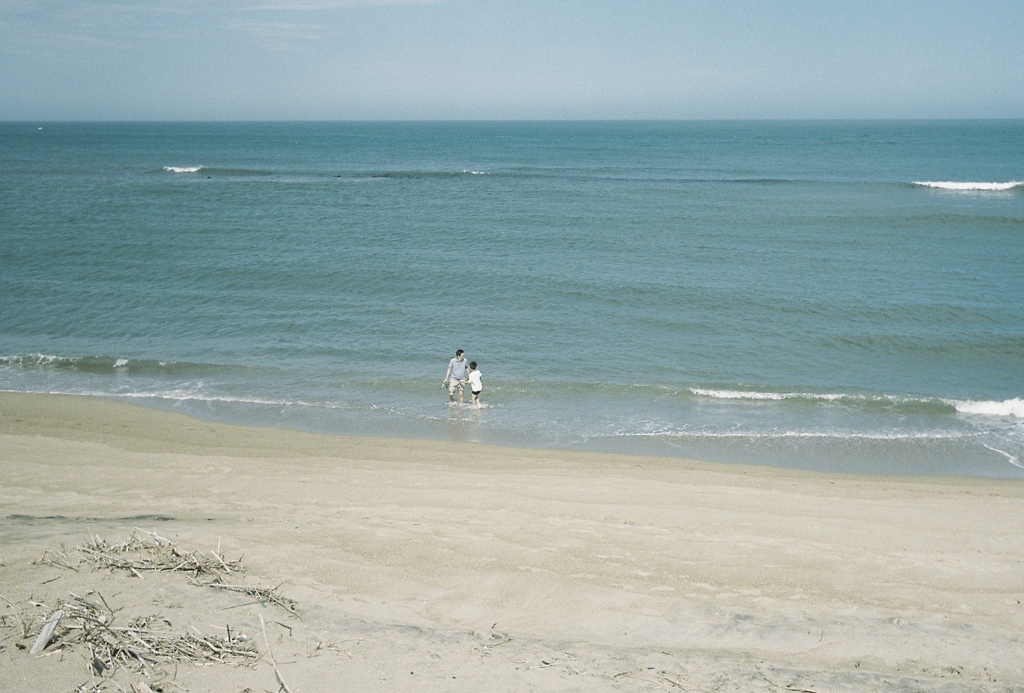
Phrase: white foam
[1005,408]
[120,363]
[969,185]
[803,435]
[191,395]
[1009,407]
[1012,459]
[734,394]
[772,396]
[183,169]
[36,360]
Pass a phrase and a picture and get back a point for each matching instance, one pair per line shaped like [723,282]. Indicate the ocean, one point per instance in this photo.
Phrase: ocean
[836,296]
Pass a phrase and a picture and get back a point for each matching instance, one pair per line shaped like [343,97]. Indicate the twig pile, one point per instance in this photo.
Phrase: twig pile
[145,641]
[154,554]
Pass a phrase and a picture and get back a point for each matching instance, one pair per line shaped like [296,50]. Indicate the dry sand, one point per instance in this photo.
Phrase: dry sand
[427,566]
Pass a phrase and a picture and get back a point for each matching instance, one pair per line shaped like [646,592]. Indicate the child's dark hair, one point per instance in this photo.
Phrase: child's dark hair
[472,364]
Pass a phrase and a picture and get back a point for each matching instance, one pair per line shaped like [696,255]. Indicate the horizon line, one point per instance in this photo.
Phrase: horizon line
[513,120]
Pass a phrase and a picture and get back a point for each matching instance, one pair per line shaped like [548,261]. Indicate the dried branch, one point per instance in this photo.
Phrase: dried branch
[273,662]
[263,595]
[21,624]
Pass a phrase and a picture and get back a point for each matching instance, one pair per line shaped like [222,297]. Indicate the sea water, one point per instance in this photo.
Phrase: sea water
[842,296]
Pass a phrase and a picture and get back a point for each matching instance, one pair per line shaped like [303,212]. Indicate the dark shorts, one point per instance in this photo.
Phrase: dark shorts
[476,393]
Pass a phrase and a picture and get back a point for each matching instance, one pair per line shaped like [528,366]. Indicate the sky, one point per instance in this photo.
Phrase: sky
[509,59]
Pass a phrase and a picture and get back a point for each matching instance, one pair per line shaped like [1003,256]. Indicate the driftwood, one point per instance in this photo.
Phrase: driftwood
[47,633]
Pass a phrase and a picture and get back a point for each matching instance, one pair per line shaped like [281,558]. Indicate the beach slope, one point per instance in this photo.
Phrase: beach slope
[408,565]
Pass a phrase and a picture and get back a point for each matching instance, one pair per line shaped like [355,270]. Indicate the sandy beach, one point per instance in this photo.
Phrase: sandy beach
[430,566]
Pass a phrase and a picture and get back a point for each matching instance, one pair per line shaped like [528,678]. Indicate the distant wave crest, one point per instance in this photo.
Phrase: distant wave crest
[183,169]
[427,173]
[970,185]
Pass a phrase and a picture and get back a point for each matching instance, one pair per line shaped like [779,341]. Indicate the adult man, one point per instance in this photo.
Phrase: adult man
[456,376]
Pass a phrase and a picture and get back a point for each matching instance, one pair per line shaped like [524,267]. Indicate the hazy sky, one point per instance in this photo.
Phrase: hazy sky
[494,59]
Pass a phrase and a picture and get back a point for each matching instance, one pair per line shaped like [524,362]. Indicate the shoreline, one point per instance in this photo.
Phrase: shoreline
[431,565]
[900,457]
[162,426]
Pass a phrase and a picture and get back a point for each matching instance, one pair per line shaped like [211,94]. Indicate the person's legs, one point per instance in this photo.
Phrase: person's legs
[454,384]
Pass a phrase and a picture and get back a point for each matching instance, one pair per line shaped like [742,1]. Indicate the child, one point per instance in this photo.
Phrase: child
[476,385]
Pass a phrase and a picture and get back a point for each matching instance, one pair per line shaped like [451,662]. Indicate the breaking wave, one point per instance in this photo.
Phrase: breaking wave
[1010,407]
[1005,408]
[970,185]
